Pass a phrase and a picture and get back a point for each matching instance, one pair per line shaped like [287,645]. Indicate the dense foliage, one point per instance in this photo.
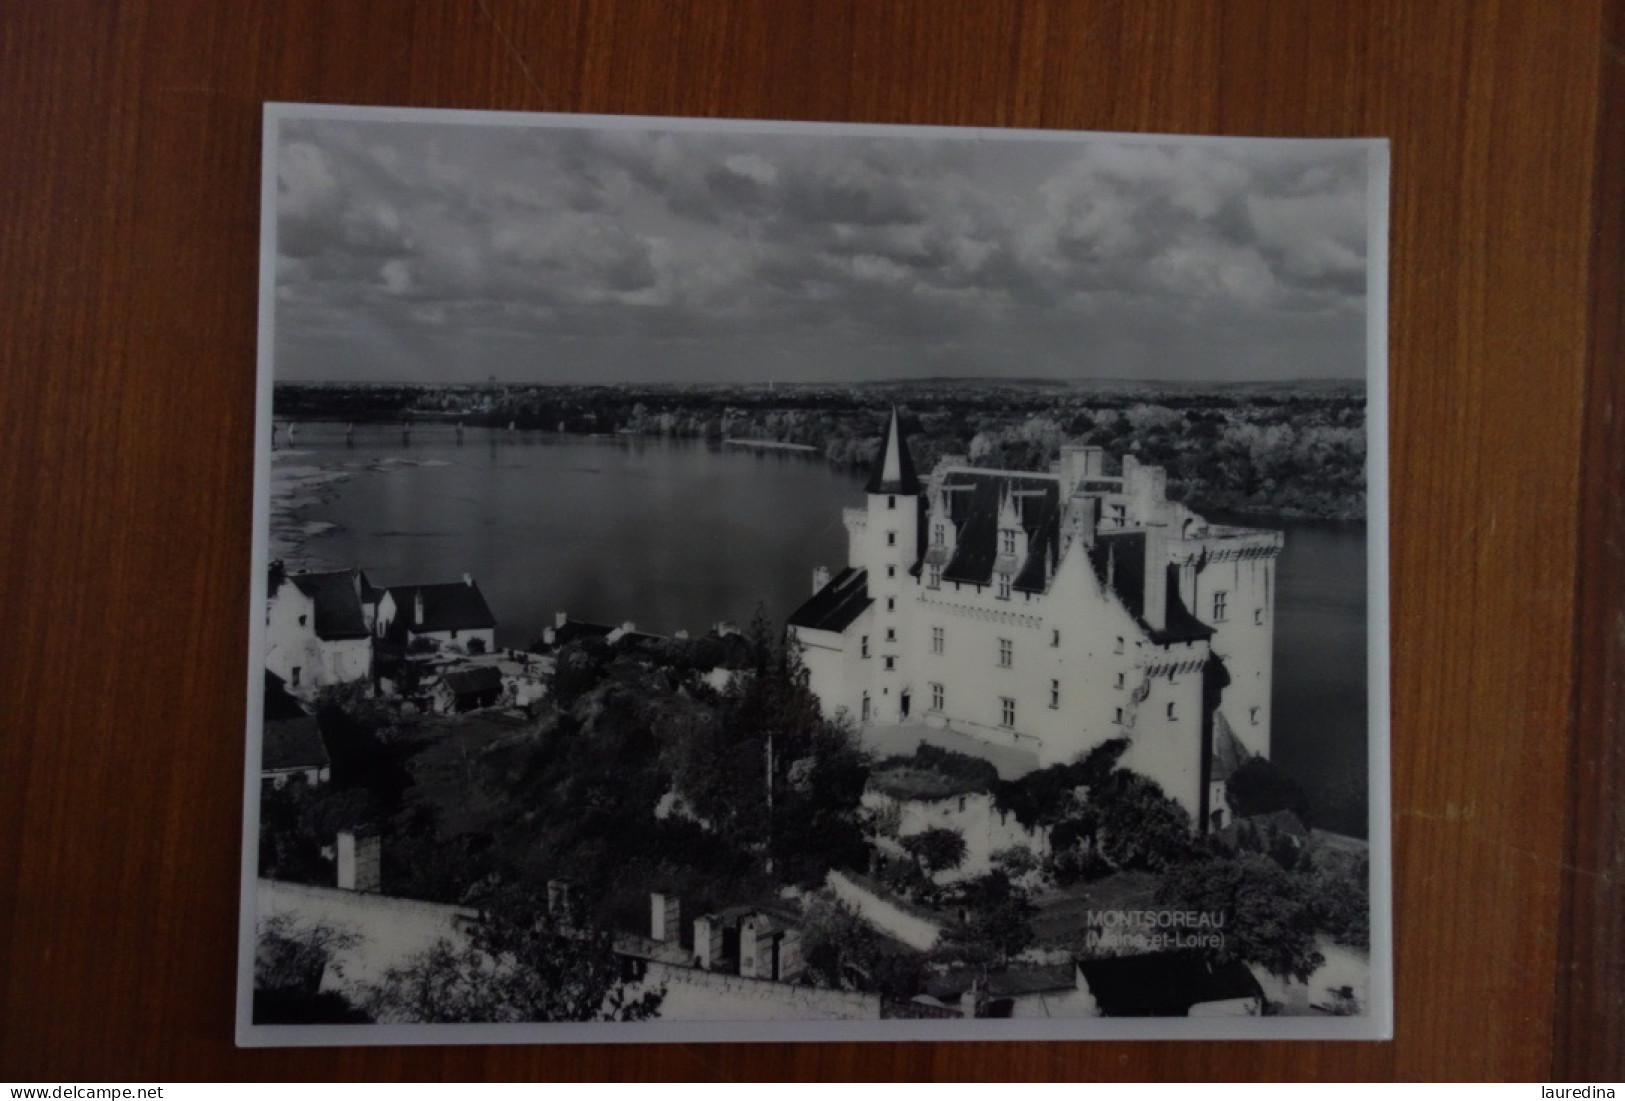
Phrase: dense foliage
[522,962]
[1289,449]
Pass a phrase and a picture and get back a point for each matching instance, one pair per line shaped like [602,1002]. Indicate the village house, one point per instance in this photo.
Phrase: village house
[451,614]
[908,802]
[292,744]
[319,627]
[468,688]
[1048,613]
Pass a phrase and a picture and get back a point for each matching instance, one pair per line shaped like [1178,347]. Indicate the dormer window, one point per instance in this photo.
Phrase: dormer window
[933,577]
[1004,586]
[891,501]
[939,534]
[1007,541]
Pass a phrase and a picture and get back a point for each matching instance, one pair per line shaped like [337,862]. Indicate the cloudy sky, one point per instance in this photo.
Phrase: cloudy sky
[456,252]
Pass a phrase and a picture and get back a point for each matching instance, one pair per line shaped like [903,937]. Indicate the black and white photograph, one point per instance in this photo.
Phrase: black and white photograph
[768,581]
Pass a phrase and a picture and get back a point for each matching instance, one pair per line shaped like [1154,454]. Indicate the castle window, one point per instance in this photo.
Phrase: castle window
[1007,541]
[891,571]
[864,644]
[938,636]
[1253,714]
[1007,711]
[933,577]
[891,538]
[1054,694]
[936,697]
[1119,680]
[302,620]
[1055,637]
[891,603]
[1007,650]
[294,679]
[891,663]
[939,535]
[1171,714]
[1219,601]
[891,502]
[891,634]
[1118,647]
[1117,714]
[1004,586]
[866,707]
[1258,616]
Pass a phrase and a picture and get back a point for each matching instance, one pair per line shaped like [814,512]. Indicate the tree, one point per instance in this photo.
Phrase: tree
[936,849]
[289,962]
[844,952]
[521,963]
[1268,913]
[1000,921]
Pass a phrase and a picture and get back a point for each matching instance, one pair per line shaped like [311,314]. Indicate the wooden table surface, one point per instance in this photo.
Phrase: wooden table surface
[129,182]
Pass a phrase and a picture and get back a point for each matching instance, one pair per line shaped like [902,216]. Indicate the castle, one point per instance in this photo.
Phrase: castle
[1049,613]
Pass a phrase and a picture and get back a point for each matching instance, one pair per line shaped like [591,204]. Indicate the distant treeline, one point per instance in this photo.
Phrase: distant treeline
[1279,449]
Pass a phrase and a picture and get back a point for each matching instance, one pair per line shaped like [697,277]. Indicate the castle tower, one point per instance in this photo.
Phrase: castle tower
[892,533]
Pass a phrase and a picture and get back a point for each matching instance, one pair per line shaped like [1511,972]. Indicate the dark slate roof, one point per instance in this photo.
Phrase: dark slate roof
[1164,984]
[1124,554]
[1284,821]
[975,514]
[279,704]
[479,678]
[906,480]
[449,606]
[836,605]
[338,608]
[574,629]
[291,744]
[1228,753]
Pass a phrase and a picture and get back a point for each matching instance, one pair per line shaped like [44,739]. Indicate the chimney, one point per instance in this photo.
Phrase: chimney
[1156,572]
[707,942]
[665,917]
[751,945]
[560,619]
[820,578]
[629,628]
[468,579]
[790,962]
[358,860]
[417,608]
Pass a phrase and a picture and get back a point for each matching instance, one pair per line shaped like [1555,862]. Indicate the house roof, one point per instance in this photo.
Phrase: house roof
[474,679]
[279,703]
[1284,821]
[1228,752]
[292,743]
[1165,984]
[448,606]
[572,629]
[894,467]
[974,500]
[1120,557]
[836,605]
[338,605]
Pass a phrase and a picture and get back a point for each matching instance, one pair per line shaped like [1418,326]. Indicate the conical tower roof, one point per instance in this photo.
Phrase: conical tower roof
[894,466]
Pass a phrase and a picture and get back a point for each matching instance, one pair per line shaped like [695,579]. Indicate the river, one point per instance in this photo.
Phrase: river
[678,535]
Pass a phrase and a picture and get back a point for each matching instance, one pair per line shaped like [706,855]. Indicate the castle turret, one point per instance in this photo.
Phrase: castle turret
[895,499]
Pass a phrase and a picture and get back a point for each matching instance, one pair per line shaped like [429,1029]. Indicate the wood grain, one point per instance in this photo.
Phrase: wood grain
[128,263]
